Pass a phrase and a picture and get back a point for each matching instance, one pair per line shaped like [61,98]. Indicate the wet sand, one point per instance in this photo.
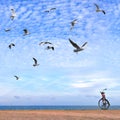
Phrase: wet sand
[59,114]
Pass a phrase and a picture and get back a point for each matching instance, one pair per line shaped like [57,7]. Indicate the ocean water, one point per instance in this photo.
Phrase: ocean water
[55,107]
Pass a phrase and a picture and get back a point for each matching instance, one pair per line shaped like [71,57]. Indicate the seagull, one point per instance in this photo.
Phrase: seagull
[44,43]
[7,30]
[10,46]
[50,10]
[16,77]
[50,47]
[26,32]
[13,14]
[78,48]
[73,23]
[35,62]
[98,9]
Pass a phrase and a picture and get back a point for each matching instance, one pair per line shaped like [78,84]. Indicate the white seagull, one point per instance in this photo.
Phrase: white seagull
[7,30]
[78,48]
[13,14]
[73,23]
[98,9]
[26,32]
[35,62]
[10,46]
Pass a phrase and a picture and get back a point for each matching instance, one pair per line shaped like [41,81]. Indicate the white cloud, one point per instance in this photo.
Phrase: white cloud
[82,84]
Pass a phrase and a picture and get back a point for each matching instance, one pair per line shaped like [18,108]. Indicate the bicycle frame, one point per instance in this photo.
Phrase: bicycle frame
[103,96]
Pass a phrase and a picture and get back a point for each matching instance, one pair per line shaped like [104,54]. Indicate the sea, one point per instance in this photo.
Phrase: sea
[58,107]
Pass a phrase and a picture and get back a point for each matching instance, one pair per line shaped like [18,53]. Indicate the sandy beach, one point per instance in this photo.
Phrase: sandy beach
[60,115]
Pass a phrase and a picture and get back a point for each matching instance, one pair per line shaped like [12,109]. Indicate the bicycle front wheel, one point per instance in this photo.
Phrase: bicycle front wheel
[103,104]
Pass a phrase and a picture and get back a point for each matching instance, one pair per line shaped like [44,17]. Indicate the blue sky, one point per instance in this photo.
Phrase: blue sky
[63,77]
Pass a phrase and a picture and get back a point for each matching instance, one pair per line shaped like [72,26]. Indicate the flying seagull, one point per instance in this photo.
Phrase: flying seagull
[50,47]
[98,9]
[26,32]
[73,23]
[7,30]
[35,62]
[13,14]
[16,77]
[50,10]
[78,48]
[44,43]
[10,46]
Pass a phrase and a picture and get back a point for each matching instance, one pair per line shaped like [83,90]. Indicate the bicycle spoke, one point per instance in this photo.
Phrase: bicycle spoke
[103,104]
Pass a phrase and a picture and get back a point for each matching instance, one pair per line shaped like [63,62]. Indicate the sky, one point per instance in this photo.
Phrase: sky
[63,77]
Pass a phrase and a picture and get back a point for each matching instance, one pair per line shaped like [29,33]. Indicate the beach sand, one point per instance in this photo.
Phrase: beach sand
[59,114]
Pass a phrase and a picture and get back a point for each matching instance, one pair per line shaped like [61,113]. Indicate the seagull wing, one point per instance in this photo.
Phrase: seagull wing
[96,6]
[52,48]
[41,43]
[103,11]
[84,44]
[52,8]
[16,77]
[12,10]
[35,60]
[25,31]
[12,44]
[74,44]
[73,22]
[48,43]
[47,11]
[9,46]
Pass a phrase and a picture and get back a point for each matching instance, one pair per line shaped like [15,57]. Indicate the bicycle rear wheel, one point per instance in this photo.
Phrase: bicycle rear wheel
[104,105]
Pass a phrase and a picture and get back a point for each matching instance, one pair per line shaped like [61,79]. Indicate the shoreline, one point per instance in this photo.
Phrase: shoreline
[54,107]
[59,114]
